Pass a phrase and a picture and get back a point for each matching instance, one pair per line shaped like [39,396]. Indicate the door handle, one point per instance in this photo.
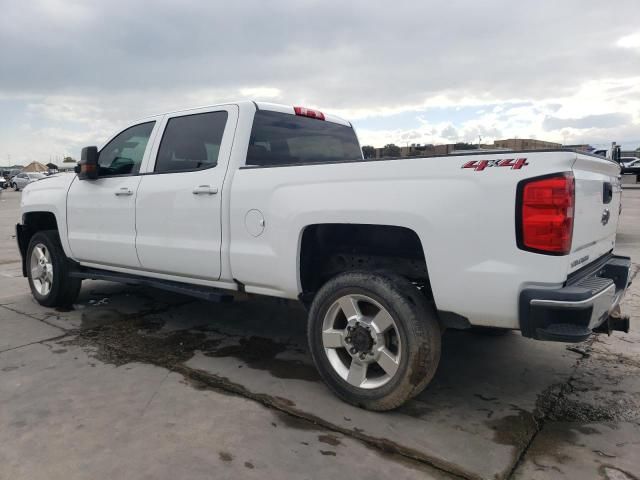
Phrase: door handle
[205,190]
[124,191]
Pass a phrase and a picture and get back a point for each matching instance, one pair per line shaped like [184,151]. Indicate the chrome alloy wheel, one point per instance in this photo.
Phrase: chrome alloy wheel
[41,269]
[361,341]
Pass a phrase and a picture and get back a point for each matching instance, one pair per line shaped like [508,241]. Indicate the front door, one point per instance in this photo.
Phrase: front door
[179,227]
[101,213]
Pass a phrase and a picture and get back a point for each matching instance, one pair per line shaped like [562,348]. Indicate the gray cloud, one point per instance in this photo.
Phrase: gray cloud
[412,135]
[450,133]
[338,54]
[86,68]
[605,120]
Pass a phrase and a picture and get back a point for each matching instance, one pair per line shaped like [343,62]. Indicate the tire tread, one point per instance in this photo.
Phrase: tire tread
[65,288]
[422,333]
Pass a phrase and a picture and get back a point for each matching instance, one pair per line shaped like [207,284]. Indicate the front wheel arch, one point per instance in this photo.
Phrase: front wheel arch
[32,223]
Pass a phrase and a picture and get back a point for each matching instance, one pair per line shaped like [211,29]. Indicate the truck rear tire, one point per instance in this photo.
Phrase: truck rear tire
[48,271]
[374,339]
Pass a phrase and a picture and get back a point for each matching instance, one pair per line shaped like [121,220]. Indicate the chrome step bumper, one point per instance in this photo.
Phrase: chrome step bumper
[571,313]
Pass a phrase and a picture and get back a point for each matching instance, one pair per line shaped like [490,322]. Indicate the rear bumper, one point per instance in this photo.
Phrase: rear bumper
[589,302]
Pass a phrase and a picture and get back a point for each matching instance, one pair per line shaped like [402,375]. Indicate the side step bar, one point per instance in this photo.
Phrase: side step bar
[204,293]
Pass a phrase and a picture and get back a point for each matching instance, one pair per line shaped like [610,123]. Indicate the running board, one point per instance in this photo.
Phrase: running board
[198,291]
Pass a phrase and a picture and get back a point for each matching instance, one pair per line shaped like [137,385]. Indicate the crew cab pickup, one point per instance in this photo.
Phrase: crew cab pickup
[386,254]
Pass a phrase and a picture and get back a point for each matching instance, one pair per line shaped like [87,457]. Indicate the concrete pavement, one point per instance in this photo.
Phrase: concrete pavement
[139,383]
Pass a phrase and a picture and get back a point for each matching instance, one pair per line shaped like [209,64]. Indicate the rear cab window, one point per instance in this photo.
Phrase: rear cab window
[282,139]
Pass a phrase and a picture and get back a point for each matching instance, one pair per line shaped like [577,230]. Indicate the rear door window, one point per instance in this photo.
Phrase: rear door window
[285,139]
[191,142]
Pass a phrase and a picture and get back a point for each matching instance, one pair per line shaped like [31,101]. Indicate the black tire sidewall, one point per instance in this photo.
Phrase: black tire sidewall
[58,262]
[384,289]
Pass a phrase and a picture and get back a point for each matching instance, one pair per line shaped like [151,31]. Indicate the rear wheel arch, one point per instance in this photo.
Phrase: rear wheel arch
[328,249]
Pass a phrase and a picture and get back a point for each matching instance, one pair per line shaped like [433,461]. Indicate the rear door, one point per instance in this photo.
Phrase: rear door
[598,194]
[179,228]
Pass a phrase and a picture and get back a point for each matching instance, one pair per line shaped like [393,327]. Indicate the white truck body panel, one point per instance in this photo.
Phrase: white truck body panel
[461,216]
[190,247]
[101,216]
[465,219]
[102,225]
[50,196]
[592,238]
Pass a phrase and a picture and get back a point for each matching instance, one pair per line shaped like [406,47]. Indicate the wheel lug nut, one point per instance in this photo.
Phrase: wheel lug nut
[353,350]
[348,339]
[362,356]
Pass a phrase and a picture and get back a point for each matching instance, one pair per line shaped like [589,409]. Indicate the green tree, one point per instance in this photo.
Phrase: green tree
[391,150]
[368,151]
[69,160]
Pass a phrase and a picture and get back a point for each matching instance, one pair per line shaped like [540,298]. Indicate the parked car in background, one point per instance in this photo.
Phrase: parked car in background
[631,168]
[23,179]
[3,183]
[12,173]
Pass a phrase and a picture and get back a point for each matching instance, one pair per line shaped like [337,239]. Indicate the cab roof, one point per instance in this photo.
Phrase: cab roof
[273,107]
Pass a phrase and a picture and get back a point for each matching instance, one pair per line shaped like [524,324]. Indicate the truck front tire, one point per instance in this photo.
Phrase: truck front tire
[48,271]
[374,338]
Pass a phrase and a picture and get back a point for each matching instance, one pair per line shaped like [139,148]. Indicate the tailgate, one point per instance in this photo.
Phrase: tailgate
[598,194]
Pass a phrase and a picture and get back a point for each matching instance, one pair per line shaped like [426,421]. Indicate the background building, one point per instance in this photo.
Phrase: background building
[508,145]
[580,148]
[525,144]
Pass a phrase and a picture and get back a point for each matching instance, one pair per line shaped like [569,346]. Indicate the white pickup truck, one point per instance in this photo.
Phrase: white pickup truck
[386,254]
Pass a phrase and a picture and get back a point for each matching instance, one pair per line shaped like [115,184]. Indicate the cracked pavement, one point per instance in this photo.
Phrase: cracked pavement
[137,383]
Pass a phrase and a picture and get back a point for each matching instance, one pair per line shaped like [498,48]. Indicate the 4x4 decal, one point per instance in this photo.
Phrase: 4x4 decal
[479,165]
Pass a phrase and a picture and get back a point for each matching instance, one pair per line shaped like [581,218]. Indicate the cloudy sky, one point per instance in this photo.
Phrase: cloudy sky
[74,71]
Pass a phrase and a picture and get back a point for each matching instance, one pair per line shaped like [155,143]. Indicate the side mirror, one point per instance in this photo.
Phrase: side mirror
[87,168]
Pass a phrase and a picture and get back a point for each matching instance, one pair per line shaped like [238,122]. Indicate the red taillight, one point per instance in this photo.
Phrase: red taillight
[307,112]
[546,207]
